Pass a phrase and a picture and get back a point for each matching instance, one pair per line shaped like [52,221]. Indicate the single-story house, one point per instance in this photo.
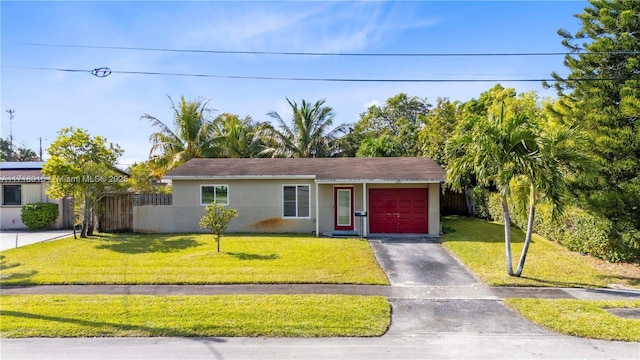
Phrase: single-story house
[325,196]
[23,183]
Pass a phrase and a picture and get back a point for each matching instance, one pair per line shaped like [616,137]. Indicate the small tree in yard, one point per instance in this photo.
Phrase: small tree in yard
[216,219]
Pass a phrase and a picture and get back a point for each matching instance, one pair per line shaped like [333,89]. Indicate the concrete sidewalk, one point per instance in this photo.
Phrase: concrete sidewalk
[392,292]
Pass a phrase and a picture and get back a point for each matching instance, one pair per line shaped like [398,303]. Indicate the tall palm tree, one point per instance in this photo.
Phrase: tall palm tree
[309,134]
[190,138]
[235,137]
[497,150]
[494,150]
[558,156]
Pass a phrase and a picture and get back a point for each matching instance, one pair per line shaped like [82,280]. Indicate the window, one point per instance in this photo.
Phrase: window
[295,201]
[217,193]
[12,195]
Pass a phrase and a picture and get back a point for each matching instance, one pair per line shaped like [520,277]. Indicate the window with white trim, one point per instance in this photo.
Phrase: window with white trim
[211,193]
[11,194]
[296,201]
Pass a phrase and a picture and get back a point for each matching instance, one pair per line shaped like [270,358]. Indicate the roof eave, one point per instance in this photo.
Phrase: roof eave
[238,177]
[380,181]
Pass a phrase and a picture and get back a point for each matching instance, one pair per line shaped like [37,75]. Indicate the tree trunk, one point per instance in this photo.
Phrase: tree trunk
[507,235]
[527,239]
[218,241]
[91,223]
[85,218]
[471,204]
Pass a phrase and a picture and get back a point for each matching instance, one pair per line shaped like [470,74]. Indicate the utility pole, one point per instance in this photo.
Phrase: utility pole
[11,112]
[40,138]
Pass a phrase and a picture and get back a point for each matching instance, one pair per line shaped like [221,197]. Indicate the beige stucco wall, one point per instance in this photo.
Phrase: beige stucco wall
[259,205]
[326,206]
[11,218]
[10,215]
[434,209]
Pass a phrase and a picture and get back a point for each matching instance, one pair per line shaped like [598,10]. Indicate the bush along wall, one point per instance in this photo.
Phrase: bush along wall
[39,215]
[577,230]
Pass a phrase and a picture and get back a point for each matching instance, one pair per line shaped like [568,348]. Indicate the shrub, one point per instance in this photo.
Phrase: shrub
[577,230]
[39,215]
[595,236]
[494,206]
[480,198]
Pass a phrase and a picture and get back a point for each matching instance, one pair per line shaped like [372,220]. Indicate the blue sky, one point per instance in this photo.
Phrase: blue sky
[46,101]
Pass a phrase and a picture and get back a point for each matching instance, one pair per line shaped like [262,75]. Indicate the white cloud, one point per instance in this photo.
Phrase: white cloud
[296,26]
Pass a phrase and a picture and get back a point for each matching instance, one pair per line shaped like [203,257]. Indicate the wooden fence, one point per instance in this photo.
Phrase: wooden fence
[68,217]
[117,209]
[152,199]
[453,203]
[117,213]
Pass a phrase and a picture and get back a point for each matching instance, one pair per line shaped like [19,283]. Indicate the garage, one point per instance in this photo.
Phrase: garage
[398,211]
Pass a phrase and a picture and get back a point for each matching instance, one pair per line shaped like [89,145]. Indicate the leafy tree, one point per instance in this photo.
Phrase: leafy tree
[81,166]
[601,96]
[236,138]
[216,219]
[439,125]
[309,134]
[192,136]
[24,154]
[19,154]
[141,179]
[6,152]
[399,119]
[381,146]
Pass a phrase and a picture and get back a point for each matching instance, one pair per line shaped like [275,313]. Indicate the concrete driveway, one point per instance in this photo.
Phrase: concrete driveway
[411,263]
[10,239]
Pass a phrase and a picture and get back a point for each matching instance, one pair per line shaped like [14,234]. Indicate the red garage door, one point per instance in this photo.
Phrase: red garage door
[398,211]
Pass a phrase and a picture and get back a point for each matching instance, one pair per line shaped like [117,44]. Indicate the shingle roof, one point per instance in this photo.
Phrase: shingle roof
[398,169]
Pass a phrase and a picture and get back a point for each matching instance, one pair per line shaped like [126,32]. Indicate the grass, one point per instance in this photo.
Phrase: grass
[237,315]
[580,317]
[480,245]
[191,259]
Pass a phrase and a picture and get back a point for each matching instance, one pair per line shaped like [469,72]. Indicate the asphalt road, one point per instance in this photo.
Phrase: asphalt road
[435,345]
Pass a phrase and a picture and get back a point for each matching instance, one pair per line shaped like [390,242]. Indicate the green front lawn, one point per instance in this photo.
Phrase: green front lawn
[191,259]
[226,315]
[580,317]
[480,246]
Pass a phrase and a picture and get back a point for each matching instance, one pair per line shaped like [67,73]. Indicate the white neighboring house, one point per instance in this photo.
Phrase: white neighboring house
[23,183]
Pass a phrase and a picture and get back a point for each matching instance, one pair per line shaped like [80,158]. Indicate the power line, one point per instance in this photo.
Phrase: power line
[278,78]
[300,53]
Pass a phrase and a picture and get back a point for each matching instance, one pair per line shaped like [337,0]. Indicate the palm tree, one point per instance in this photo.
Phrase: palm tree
[309,134]
[500,150]
[494,150]
[558,156]
[191,137]
[235,137]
